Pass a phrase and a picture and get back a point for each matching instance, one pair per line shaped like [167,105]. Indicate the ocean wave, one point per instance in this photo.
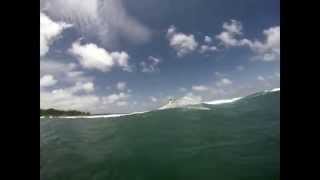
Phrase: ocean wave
[189,105]
[275,89]
[95,116]
[222,101]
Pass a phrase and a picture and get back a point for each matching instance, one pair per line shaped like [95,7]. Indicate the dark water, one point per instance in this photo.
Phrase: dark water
[238,141]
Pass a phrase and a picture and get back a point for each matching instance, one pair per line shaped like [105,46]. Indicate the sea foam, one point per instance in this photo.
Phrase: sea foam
[222,101]
[96,116]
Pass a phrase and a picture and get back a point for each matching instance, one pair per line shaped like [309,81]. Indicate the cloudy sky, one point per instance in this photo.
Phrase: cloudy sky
[111,56]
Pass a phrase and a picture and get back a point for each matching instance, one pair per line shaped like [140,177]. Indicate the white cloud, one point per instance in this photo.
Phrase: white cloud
[231,30]
[182,43]
[122,103]
[81,97]
[74,74]
[113,98]
[91,56]
[207,39]
[224,82]
[49,31]
[106,20]
[66,100]
[200,88]
[121,86]
[66,73]
[205,48]
[55,67]
[277,75]
[153,99]
[260,78]
[188,99]
[122,60]
[151,65]
[269,50]
[85,87]
[69,98]
[47,81]
[88,87]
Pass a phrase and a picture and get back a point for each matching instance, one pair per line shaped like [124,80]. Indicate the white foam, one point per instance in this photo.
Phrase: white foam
[222,101]
[275,89]
[96,116]
[197,107]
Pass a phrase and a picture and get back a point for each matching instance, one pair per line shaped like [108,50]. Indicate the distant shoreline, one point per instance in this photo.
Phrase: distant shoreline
[54,113]
[58,113]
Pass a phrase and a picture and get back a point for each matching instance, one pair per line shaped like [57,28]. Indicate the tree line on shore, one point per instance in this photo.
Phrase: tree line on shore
[55,112]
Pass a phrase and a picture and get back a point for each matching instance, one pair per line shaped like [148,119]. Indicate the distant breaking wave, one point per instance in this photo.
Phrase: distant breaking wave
[223,101]
[170,105]
[275,89]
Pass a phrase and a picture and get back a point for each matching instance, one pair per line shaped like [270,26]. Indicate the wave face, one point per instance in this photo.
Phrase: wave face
[229,141]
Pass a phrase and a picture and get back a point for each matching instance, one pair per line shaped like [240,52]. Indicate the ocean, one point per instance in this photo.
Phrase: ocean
[239,140]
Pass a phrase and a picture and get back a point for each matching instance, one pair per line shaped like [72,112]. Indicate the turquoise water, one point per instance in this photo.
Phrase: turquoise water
[238,141]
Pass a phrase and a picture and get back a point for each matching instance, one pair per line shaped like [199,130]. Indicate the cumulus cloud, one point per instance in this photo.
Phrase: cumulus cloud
[67,100]
[200,88]
[266,50]
[153,99]
[107,20]
[231,30]
[82,87]
[47,81]
[49,31]
[114,98]
[121,86]
[260,78]
[76,97]
[74,74]
[224,82]
[81,96]
[66,73]
[150,65]
[189,99]
[182,43]
[122,103]
[91,56]
[269,49]
[207,39]
[206,48]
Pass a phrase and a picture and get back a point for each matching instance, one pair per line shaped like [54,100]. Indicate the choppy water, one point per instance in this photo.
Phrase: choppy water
[236,141]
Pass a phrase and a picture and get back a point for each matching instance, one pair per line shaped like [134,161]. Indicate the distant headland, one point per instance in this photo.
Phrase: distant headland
[56,112]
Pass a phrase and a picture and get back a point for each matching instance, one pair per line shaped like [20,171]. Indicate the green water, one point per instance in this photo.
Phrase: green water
[238,141]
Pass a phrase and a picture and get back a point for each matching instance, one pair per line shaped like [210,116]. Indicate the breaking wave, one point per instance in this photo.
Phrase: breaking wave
[186,103]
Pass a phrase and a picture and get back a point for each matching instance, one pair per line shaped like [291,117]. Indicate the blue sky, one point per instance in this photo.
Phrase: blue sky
[132,55]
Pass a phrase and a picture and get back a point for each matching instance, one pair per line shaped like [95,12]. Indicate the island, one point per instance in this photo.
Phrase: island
[56,112]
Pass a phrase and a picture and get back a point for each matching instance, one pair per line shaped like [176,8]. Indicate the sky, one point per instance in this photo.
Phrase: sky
[119,56]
